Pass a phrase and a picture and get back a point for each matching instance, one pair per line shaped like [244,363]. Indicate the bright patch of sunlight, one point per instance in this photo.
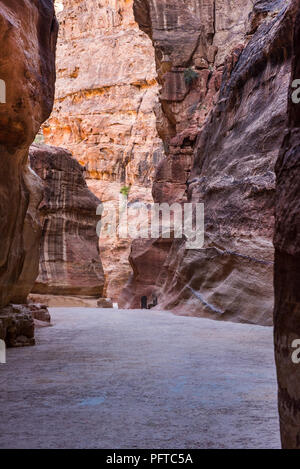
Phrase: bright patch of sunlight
[59,6]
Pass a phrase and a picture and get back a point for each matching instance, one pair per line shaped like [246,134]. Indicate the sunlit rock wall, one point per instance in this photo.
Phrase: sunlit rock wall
[106,94]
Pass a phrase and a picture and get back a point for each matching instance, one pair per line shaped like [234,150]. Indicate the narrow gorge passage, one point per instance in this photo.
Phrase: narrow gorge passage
[123,123]
[126,379]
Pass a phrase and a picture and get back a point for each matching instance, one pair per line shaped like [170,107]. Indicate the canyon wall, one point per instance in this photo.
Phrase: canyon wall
[224,73]
[106,93]
[70,262]
[287,263]
[27,68]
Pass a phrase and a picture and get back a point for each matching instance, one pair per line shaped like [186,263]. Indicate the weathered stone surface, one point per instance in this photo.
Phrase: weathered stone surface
[39,312]
[115,251]
[147,258]
[69,259]
[27,66]
[66,301]
[226,159]
[104,303]
[16,326]
[106,93]
[287,263]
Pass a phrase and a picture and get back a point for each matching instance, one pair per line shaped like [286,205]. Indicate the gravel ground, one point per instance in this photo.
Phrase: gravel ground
[140,379]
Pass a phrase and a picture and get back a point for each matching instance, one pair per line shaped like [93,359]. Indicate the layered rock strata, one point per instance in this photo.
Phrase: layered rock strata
[223,134]
[70,262]
[27,73]
[106,93]
[287,262]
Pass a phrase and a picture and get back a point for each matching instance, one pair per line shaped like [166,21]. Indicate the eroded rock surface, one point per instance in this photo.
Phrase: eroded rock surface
[16,326]
[115,251]
[27,67]
[224,130]
[69,259]
[106,93]
[287,263]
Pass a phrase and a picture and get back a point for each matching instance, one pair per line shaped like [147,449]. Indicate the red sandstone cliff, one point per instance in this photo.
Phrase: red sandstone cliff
[223,131]
[27,66]
[106,92]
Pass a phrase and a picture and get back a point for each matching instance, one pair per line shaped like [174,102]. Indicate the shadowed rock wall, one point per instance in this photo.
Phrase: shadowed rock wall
[287,262]
[223,130]
[27,66]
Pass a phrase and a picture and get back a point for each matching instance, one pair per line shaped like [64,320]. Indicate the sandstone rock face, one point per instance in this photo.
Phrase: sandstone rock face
[16,326]
[69,259]
[27,70]
[64,301]
[115,251]
[287,263]
[191,42]
[106,92]
[39,312]
[223,130]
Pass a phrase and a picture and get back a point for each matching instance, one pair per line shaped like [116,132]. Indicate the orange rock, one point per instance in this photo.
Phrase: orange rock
[106,92]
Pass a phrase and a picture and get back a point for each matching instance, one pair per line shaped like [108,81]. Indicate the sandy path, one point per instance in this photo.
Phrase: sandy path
[140,379]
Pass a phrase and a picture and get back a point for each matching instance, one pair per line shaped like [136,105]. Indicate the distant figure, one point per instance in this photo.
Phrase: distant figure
[144,302]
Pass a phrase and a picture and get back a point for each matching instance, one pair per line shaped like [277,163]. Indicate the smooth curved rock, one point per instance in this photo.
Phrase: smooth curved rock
[70,261]
[27,66]
[224,157]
